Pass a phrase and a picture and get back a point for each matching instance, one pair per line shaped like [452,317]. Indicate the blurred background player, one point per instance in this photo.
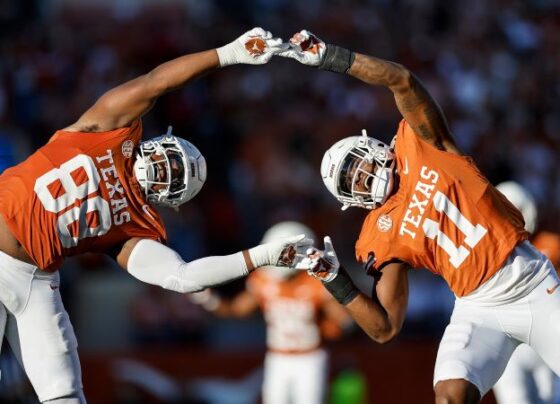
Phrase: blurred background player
[430,207]
[299,313]
[94,188]
[527,379]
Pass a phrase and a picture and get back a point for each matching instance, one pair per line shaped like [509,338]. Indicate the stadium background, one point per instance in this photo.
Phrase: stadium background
[493,66]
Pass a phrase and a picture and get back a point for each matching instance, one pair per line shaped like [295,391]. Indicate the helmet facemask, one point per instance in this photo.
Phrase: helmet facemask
[170,170]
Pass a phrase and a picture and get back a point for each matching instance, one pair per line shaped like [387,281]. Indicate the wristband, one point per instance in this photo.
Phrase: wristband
[337,59]
[342,288]
[226,55]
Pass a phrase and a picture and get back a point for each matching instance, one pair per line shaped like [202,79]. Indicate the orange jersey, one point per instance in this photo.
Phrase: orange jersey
[76,194]
[291,309]
[549,244]
[444,216]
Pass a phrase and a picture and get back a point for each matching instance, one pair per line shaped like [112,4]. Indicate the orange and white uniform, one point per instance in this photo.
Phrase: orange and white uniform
[446,217]
[73,196]
[295,364]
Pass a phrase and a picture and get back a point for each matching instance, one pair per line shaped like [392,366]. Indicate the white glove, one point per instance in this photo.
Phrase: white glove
[322,265]
[286,252]
[254,47]
[206,299]
[306,48]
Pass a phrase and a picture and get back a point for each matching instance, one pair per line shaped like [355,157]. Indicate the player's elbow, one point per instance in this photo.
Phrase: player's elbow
[383,338]
[384,335]
[402,80]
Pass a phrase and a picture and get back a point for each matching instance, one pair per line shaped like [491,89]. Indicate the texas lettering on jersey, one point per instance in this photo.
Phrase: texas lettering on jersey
[117,195]
[76,195]
[444,216]
[291,309]
[423,193]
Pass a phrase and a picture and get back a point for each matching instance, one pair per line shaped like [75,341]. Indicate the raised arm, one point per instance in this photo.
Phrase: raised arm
[414,102]
[120,106]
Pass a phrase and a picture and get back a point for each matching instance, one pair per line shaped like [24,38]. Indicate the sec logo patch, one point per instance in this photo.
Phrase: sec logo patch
[384,223]
[127,148]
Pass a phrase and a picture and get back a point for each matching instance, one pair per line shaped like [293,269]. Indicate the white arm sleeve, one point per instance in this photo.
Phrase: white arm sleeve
[157,264]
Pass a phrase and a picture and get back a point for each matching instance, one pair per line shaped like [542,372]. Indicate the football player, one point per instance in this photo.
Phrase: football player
[527,379]
[430,207]
[93,188]
[298,312]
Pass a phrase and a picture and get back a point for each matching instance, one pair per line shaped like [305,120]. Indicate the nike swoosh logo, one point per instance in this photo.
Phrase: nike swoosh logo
[405,169]
[553,289]
[146,210]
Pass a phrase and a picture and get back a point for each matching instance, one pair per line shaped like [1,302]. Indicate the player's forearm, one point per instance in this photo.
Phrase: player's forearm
[379,72]
[222,310]
[368,314]
[178,72]
[226,308]
[240,306]
[410,94]
[122,105]
[232,310]
[156,264]
[373,319]
[219,307]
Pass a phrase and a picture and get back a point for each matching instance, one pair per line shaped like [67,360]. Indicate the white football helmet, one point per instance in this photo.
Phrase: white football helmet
[343,162]
[522,200]
[170,170]
[283,230]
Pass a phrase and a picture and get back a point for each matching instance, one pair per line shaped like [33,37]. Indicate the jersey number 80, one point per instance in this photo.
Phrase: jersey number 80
[64,205]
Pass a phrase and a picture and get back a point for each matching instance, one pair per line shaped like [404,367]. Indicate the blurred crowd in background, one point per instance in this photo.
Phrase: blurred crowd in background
[494,67]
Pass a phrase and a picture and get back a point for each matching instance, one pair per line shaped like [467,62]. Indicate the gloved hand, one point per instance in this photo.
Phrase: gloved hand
[322,265]
[206,299]
[286,252]
[306,48]
[254,47]
[325,266]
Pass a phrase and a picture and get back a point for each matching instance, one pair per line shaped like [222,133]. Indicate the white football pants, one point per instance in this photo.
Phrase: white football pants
[38,329]
[480,339]
[526,380]
[295,378]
